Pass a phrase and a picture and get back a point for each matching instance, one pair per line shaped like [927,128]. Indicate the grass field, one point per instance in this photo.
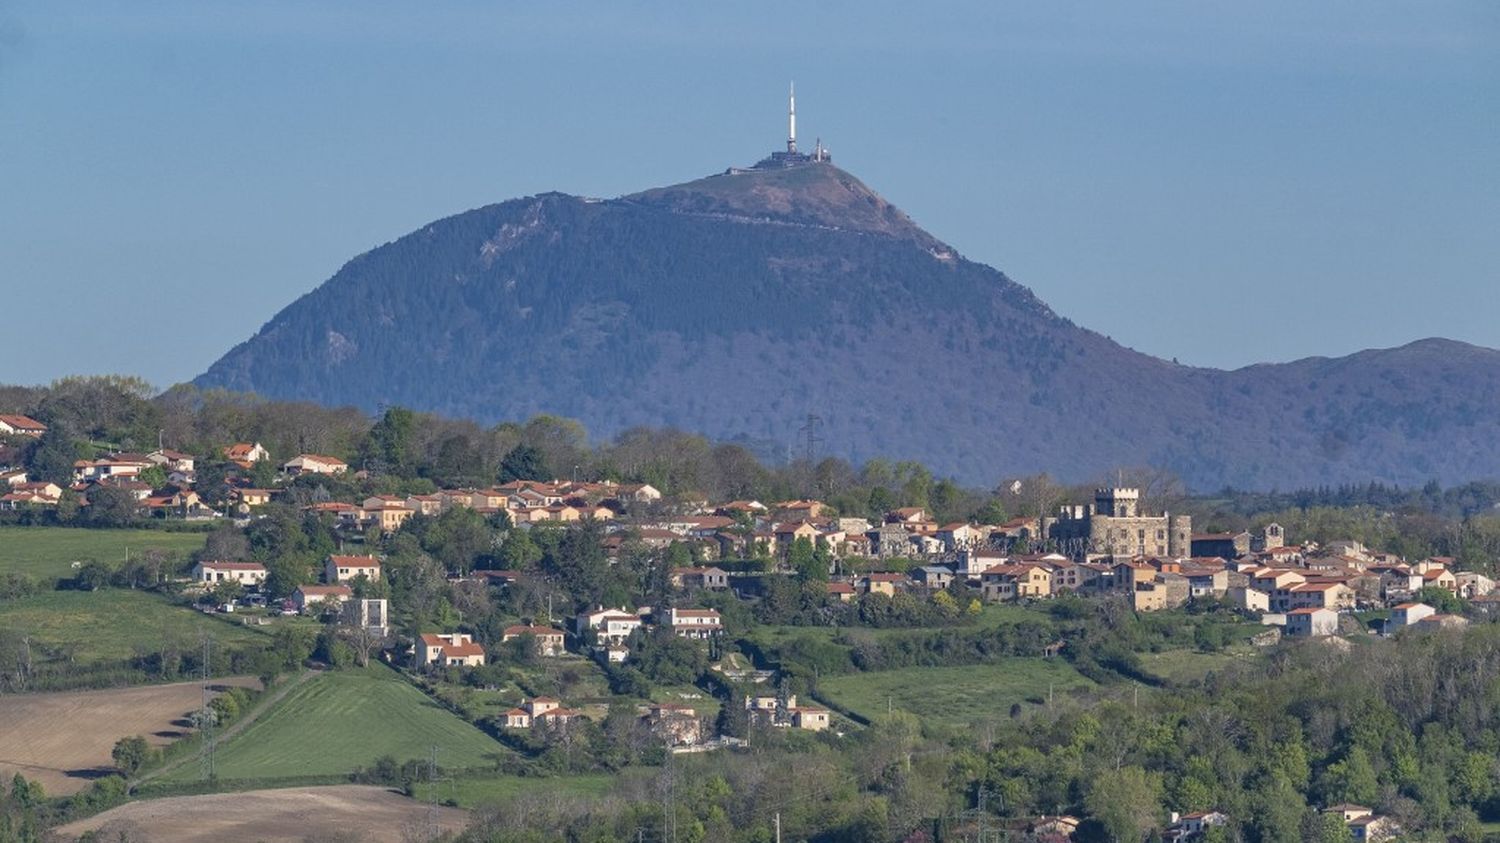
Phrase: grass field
[47,553]
[347,719]
[111,624]
[1184,666]
[954,695]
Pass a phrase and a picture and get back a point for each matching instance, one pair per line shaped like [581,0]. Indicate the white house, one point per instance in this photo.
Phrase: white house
[611,626]
[695,623]
[314,464]
[311,596]
[244,573]
[1312,622]
[1407,614]
[16,425]
[344,568]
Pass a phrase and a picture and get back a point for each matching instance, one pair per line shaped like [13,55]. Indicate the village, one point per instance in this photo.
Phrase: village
[1105,549]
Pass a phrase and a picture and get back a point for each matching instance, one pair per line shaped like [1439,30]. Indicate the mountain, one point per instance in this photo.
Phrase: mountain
[737,304]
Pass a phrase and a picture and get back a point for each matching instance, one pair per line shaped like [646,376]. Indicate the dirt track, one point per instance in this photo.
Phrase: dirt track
[64,739]
[352,812]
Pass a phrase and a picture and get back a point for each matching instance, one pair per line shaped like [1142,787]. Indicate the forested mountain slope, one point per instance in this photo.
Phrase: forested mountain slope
[737,304]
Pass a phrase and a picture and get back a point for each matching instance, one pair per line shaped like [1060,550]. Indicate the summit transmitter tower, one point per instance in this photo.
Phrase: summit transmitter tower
[793,158]
[791,120]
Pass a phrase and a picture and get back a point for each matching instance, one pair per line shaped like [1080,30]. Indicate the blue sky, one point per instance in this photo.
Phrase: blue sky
[1223,183]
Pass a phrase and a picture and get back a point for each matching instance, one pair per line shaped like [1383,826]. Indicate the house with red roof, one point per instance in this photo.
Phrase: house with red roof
[449,649]
[17,425]
[314,464]
[549,641]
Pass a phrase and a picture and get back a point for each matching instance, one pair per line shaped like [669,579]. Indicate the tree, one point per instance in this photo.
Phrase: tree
[390,442]
[524,462]
[1127,802]
[110,506]
[92,576]
[457,538]
[1441,599]
[518,552]
[130,754]
[800,557]
[155,476]
[53,457]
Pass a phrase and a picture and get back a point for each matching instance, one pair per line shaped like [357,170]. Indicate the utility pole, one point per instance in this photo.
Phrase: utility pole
[206,715]
[778,827]
[432,793]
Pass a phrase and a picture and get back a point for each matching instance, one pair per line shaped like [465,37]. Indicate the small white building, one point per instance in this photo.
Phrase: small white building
[610,626]
[345,568]
[314,464]
[1312,622]
[695,623]
[1407,614]
[248,574]
[309,597]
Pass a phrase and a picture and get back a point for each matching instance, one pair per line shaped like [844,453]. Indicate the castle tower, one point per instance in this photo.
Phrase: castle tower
[791,120]
[1117,503]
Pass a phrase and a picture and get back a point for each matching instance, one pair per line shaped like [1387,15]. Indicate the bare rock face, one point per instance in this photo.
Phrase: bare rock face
[736,304]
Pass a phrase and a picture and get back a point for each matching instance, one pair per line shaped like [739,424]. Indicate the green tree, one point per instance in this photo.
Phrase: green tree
[53,457]
[390,443]
[801,556]
[154,476]
[110,506]
[130,754]
[524,462]
[519,552]
[1350,779]
[1127,802]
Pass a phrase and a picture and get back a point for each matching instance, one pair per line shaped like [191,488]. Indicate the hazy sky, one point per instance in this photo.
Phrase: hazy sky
[1219,182]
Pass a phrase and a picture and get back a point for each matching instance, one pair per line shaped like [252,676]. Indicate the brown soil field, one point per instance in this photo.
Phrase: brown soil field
[340,812]
[64,740]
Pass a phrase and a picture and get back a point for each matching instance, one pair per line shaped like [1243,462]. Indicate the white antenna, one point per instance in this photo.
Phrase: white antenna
[791,120]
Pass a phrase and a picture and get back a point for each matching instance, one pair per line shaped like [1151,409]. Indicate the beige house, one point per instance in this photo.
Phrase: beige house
[246,453]
[809,717]
[249,574]
[308,598]
[253,497]
[449,649]
[549,641]
[388,516]
[881,583]
[1250,599]
[314,464]
[345,568]
[541,710]
[1327,595]
[1014,582]
[1439,578]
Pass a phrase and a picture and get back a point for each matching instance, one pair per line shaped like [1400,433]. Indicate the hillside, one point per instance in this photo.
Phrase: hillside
[736,304]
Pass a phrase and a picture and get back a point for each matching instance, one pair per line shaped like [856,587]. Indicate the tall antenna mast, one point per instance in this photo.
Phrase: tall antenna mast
[791,120]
